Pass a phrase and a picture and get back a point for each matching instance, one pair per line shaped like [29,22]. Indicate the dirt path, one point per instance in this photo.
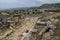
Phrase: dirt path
[27,25]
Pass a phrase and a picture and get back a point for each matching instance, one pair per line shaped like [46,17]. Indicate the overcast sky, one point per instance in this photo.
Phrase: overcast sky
[50,1]
[23,3]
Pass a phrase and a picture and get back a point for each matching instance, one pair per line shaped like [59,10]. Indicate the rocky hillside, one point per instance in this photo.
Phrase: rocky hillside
[54,5]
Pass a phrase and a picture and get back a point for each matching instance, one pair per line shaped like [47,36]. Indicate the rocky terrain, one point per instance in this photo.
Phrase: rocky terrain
[38,23]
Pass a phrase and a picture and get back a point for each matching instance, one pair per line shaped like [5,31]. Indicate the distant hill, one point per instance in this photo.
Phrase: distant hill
[52,6]
[22,8]
[44,6]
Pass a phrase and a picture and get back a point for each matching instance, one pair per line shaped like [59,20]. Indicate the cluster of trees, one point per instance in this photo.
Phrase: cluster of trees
[52,10]
[27,11]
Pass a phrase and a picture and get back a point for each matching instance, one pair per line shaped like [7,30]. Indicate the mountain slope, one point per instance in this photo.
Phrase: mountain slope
[47,6]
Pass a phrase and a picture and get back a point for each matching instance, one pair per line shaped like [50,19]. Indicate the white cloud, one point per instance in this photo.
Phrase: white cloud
[8,1]
[18,3]
[49,1]
[23,3]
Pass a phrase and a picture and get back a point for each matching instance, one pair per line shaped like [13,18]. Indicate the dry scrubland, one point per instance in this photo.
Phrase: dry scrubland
[16,34]
[24,21]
